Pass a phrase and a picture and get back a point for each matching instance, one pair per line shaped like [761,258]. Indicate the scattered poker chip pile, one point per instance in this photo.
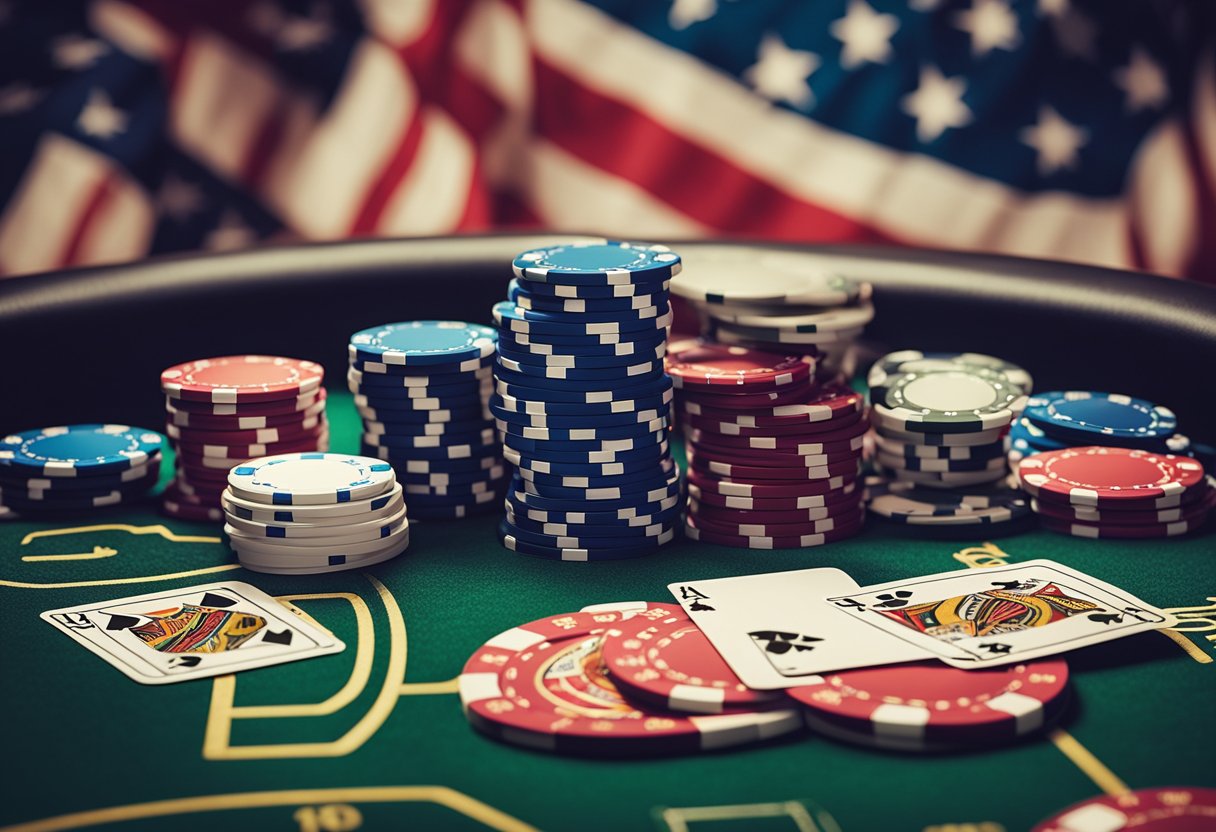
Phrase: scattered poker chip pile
[582,402]
[641,679]
[1111,492]
[225,411]
[1062,419]
[421,388]
[939,422]
[76,468]
[305,513]
[783,307]
[773,455]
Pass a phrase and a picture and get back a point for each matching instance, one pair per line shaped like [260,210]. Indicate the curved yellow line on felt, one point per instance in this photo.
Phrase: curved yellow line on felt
[162,531]
[439,795]
[142,579]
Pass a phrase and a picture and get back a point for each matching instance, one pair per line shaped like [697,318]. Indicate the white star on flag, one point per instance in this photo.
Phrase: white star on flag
[100,118]
[77,52]
[178,198]
[1056,141]
[991,24]
[781,73]
[17,98]
[685,13]
[231,233]
[865,33]
[937,104]
[1143,82]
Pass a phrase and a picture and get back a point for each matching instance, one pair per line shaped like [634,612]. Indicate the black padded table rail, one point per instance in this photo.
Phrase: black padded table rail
[103,335]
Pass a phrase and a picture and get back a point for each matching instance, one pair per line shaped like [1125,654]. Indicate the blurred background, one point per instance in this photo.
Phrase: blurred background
[1077,130]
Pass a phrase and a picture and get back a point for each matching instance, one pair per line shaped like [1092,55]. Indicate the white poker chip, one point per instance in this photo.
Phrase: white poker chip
[311,478]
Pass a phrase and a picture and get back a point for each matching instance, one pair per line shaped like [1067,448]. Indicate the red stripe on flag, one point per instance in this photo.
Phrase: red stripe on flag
[702,184]
[91,211]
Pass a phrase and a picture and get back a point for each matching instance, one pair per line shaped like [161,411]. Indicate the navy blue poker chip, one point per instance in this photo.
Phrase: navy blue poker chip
[641,342]
[78,450]
[509,540]
[594,377]
[1083,417]
[528,389]
[523,297]
[585,362]
[606,420]
[559,325]
[636,431]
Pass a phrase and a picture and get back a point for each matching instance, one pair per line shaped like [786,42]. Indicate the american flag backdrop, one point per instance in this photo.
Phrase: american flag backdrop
[1080,130]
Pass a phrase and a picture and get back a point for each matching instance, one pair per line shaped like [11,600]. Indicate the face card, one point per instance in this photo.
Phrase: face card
[775,631]
[180,634]
[998,615]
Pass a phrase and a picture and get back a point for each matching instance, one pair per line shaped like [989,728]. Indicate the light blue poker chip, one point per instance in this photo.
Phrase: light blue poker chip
[311,478]
[598,264]
[78,450]
[424,342]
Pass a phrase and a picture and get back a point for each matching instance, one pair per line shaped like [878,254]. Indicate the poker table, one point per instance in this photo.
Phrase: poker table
[374,737]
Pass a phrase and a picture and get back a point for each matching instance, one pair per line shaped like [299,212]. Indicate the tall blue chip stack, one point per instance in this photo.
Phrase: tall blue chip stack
[422,388]
[582,403]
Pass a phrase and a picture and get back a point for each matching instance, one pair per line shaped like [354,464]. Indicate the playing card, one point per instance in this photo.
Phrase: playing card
[985,617]
[775,631]
[179,634]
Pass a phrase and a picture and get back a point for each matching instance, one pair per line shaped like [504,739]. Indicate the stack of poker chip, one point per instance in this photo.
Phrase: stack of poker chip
[76,468]
[939,422]
[1109,492]
[305,513]
[1062,419]
[421,388]
[783,307]
[228,410]
[773,455]
[509,688]
[930,707]
[582,402]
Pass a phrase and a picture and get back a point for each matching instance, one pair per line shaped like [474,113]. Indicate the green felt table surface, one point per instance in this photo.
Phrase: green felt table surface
[374,737]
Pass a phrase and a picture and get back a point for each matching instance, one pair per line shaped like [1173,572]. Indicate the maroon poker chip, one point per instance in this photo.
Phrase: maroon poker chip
[271,407]
[1159,809]
[695,532]
[728,399]
[721,514]
[232,379]
[771,459]
[242,421]
[826,404]
[843,428]
[797,445]
[848,467]
[844,493]
[698,364]
[847,520]
[766,490]
[1101,476]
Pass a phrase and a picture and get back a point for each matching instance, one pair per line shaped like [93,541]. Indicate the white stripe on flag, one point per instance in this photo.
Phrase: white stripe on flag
[492,47]
[221,104]
[322,174]
[398,22]
[432,196]
[132,30]
[1164,204]
[42,215]
[566,192]
[122,227]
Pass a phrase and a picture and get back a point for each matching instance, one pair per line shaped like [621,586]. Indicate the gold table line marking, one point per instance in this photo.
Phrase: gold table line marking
[1090,766]
[1189,647]
[97,553]
[142,579]
[429,688]
[219,717]
[365,652]
[440,795]
[677,819]
[158,529]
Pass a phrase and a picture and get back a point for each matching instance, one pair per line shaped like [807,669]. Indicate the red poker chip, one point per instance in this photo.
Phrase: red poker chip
[806,541]
[1187,512]
[770,459]
[722,514]
[542,685]
[310,427]
[788,529]
[232,379]
[699,364]
[844,493]
[796,445]
[825,404]
[240,422]
[210,457]
[730,400]
[1159,809]
[935,703]
[766,490]
[273,407]
[748,473]
[1100,476]
[1112,532]
[844,427]
[193,445]
[661,659]
[176,505]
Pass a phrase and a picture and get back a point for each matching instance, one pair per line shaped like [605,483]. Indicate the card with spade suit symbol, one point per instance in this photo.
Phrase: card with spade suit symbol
[986,617]
[775,631]
[179,634]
